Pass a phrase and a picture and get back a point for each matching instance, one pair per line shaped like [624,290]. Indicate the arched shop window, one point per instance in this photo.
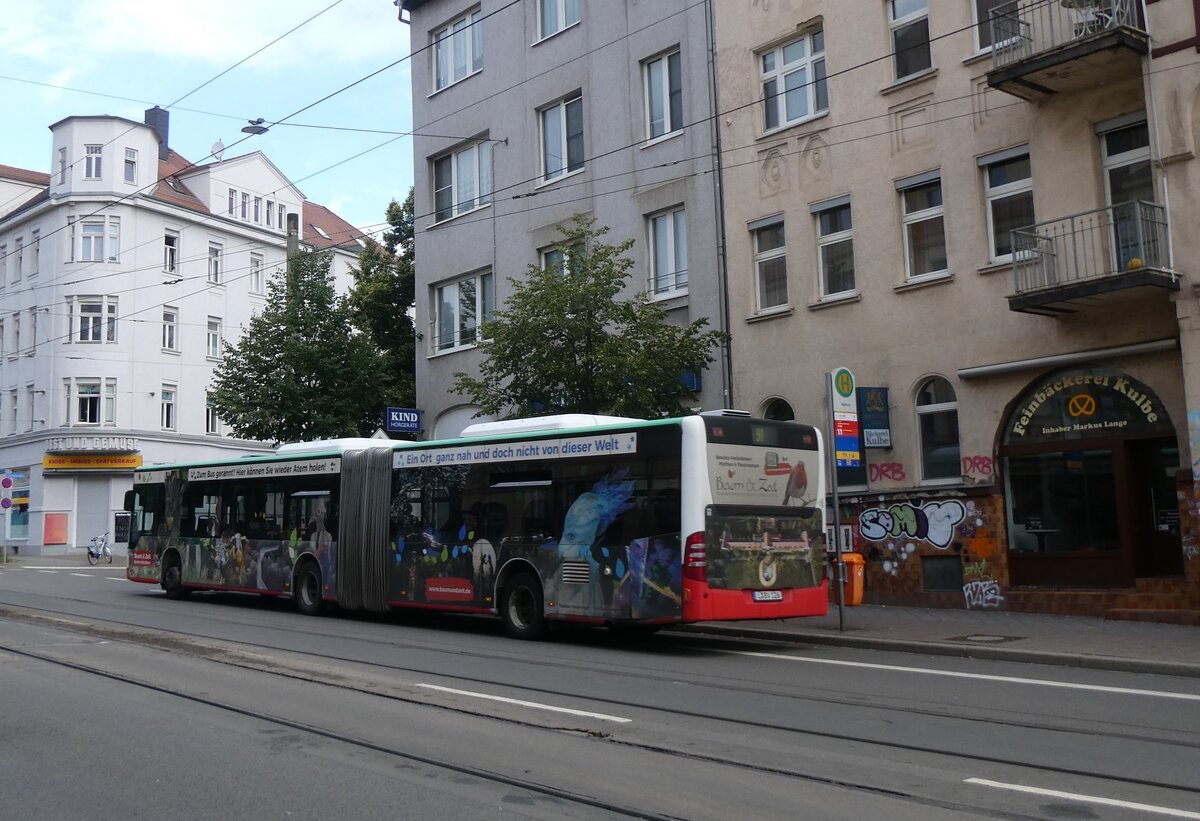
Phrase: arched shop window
[937,430]
[779,411]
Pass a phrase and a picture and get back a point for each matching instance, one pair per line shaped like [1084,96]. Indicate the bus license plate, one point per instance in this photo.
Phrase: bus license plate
[768,595]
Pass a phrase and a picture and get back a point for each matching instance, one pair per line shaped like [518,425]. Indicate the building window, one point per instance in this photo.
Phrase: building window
[770,265]
[18,259]
[1128,179]
[33,331]
[167,414]
[924,228]
[110,401]
[985,10]
[1008,190]
[62,166]
[245,205]
[256,273]
[35,241]
[457,50]
[664,95]
[461,307]
[3,265]
[910,36]
[556,15]
[212,424]
[937,430]
[232,202]
[563,260]
[12,411]
[258,209]
[793,81]
[86,409]
[131,165]
[835,249]
[462,181]
[213,344]
[270,214]
[30,405]
[170,251]
[95,233]
[283,218]
[170,328]
[214,263]
[562,138]
[16,329]
[668,258]
[93,155]
[93,318]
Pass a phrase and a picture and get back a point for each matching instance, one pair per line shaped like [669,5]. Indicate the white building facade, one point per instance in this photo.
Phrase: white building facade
[122,273]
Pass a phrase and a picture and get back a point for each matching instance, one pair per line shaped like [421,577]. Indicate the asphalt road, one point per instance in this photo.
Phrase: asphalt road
[117,703]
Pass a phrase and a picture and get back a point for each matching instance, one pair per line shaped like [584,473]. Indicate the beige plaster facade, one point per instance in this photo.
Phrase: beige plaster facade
[1068,104]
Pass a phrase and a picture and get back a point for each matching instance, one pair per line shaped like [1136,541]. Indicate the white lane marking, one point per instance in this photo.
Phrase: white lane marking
[1066,685]
[1089,799]
[46,571]
[533,704]
[84,575]
[116,578]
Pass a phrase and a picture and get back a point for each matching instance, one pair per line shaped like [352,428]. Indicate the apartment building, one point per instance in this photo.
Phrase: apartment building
[527,113]
[987,210]
[123,270]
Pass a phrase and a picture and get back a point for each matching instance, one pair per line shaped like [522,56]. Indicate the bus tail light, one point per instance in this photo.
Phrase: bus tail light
[695,558]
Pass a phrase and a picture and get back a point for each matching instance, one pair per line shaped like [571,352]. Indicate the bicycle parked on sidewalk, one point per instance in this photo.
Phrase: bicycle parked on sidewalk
[99,549]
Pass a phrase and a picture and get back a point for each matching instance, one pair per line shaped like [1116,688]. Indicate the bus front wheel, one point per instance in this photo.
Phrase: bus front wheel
[307,587]
[172,579]
[521,607]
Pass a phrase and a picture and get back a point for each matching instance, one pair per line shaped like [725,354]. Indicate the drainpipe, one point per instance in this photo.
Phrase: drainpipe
[1152,112]
[719,196]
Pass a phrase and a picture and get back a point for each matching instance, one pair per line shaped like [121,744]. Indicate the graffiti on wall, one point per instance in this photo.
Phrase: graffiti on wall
[886,472]
[982,466]
[933,522]
[980,590]
[1194,441]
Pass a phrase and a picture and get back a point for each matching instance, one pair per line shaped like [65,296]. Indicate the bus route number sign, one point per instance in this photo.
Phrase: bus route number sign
[845,419]
[403,420]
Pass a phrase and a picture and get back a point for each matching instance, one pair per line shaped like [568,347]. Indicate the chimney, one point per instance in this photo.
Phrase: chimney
[160,120]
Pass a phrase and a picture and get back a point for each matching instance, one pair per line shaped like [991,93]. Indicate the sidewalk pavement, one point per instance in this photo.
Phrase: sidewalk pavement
[1073,641]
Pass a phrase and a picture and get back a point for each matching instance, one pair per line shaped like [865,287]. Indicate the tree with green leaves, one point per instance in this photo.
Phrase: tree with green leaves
[381,303]
[564,343]
[301,370]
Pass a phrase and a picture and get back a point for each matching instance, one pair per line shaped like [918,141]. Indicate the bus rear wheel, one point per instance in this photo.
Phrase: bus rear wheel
[172,578]
[521,607]
[307,589]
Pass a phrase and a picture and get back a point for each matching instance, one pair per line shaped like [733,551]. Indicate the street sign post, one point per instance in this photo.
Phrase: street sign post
[6,486]
[403,420]
[843,424]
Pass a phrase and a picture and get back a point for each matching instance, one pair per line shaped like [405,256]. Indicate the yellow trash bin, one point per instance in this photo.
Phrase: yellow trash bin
[852,589]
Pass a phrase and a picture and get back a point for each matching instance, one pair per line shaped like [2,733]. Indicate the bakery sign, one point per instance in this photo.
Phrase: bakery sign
[1082,403]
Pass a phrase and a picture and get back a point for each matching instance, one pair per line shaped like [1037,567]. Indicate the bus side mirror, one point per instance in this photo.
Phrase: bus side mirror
[130,497]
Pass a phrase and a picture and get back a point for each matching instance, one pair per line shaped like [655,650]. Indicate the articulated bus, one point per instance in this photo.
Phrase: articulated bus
[597,520]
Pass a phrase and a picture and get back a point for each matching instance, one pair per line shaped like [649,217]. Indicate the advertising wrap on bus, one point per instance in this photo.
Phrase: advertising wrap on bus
[764,529]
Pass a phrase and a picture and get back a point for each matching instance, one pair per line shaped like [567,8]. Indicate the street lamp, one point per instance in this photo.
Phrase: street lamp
[255,127]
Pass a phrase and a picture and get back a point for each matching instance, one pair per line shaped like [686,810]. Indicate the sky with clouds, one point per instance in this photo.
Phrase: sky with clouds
[60,58]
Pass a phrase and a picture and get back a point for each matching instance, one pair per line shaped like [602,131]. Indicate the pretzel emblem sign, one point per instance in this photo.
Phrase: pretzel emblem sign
[1081,405]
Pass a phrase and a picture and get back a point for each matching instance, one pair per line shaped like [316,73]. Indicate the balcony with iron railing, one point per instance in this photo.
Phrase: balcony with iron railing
[1065,265]
[1045,47]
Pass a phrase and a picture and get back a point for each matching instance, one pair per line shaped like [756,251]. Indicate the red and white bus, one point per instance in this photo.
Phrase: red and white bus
[599,520]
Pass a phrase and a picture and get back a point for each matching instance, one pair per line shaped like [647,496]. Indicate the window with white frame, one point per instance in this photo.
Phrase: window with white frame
[31,336]
[462,181]
[18,259]
[556,15]
[212,423]
[910,36]
[83,405]
[1008,191]
[212,347]
[214,263]
[131,165]
[985,11]
[835,247]
[460,307]
[15,351]
[170,328]
[30,405]
[562,138]
[256,274]
[663,80]
[3,265]
[167,407]
[62,166]
[3,338]
[283,218]
[170,251]
[110,401]
[457,50]
[668,251]
[35,243]
[270,214]
[92,318]
[258,209]
[232,201]
[793,81]
[770,264]
[93,154]
[924,226]
[100,239]
[937,430]
[563,259]
[12,411]
[245,205]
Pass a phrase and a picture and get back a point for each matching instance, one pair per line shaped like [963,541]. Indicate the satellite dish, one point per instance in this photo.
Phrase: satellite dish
[218,150]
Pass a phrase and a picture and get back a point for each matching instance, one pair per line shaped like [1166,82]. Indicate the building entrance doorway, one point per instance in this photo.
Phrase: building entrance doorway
[1090,459]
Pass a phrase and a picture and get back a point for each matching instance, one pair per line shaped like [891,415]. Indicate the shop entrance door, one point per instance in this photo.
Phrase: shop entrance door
[1154,508]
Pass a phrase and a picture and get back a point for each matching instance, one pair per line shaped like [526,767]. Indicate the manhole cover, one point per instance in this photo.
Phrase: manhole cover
[984,638]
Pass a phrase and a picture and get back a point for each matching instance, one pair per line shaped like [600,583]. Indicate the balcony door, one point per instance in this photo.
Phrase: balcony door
[1128,179]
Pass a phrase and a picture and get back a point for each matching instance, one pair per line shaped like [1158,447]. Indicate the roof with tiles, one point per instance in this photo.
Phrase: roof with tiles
[322,228]
[170,188]
[9,172]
